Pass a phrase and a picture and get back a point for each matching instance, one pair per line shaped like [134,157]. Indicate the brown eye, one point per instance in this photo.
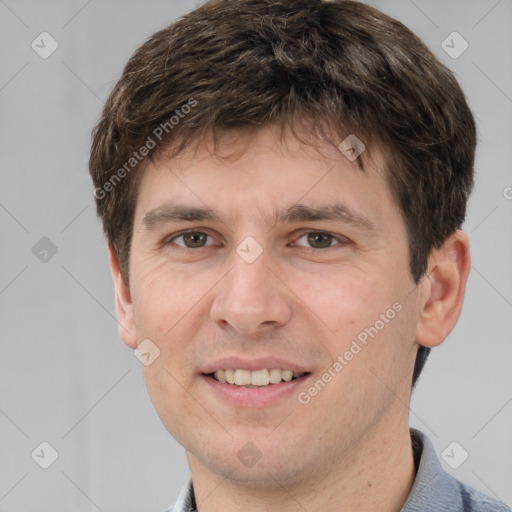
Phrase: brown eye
[319,240]
[192,240]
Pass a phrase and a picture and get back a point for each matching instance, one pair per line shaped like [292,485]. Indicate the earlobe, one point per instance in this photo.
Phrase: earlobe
[443,290]
[124,305]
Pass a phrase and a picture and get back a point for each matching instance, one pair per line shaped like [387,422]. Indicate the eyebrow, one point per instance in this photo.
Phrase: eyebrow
[169,213]
[336,212]
[175,213]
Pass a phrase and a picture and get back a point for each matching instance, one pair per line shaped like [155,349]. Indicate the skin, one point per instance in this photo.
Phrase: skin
[349,448]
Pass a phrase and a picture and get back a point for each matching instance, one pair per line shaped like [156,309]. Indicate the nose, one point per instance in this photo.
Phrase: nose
[251,299]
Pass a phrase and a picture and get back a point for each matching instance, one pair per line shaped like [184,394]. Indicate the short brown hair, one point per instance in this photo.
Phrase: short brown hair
[250,63]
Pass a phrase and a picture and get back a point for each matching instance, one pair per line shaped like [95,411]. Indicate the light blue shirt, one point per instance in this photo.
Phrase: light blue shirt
[434,490]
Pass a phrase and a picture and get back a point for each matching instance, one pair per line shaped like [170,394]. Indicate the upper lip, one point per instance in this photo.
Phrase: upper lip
[255,363]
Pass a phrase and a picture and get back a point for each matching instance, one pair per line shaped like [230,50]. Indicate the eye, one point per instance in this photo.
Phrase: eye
[319,240]
[193,240]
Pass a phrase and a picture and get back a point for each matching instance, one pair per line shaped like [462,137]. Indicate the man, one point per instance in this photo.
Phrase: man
[282,186]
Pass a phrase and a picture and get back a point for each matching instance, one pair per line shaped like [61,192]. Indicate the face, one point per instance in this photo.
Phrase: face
[285,262]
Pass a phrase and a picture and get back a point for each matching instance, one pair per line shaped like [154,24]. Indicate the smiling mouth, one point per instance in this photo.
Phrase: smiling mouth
[256,378]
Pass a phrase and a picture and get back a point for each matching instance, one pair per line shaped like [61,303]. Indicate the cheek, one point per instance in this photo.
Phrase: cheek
[369,320]
[165,296]
[168,311]
[171,306]
[346,304]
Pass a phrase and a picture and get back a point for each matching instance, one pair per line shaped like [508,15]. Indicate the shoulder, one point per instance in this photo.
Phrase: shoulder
[434,490]
[475,501]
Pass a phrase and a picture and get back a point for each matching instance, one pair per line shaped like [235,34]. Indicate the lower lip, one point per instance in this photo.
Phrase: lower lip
[255,397]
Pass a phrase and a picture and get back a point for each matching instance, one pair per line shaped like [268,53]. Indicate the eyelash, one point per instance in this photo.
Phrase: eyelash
[341,241]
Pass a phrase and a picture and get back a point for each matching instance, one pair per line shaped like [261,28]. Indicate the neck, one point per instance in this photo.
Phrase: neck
[377,474]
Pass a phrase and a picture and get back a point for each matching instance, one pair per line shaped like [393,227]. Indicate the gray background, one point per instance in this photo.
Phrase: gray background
[66,378]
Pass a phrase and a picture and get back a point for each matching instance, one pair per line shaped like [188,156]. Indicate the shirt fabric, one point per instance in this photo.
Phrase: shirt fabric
[433,490]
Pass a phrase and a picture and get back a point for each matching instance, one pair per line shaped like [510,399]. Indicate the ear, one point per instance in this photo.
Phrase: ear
[443,289]
[124,305]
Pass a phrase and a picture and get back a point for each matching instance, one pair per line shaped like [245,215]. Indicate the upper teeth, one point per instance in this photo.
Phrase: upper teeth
[256,377]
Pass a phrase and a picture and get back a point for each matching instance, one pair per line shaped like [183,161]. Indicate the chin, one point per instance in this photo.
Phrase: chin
[261,463]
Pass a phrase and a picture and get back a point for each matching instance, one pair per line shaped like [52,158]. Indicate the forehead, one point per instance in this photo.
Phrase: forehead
[268,173]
